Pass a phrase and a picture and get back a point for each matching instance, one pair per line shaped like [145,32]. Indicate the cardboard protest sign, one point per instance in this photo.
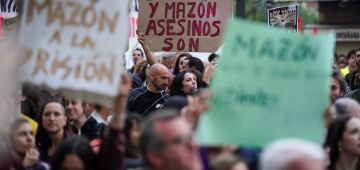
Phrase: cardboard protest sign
[269,84]
[284,17]
[76,46]
[177,25]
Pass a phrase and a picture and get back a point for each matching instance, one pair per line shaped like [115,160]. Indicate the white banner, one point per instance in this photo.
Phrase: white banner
[75,46]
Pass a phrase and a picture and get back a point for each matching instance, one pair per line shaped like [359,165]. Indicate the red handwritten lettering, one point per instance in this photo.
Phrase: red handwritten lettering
[160,24]
[170,7]
[181,44]
[180,10]
[153,8]
[170,27]
[196,28]
[191,13]
[193,44]
[180,23]
[201,10]
[168,42]
[216,25]
[206,29]
[211,9]
[151,27]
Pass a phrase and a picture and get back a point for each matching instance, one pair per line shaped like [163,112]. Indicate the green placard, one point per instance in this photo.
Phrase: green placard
[269,84]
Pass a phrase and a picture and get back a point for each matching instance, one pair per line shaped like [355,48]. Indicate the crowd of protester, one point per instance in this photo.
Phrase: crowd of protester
[152,121]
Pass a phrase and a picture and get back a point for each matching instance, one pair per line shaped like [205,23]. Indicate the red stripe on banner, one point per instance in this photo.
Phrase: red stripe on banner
[299,24]
[1,27]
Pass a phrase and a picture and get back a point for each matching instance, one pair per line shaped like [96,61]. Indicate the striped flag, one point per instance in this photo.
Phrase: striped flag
[8,8]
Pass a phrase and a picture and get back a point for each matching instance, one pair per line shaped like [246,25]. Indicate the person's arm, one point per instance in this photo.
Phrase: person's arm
[148,54]
[197,105]
[209,70]
[112,150]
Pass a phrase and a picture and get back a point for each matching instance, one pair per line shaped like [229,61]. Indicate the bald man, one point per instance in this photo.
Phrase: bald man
[144,100]
[346,106]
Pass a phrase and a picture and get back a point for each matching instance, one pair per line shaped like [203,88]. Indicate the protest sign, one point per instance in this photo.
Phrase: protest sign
[284,17]
[76,46]
[190,26]
[269,84]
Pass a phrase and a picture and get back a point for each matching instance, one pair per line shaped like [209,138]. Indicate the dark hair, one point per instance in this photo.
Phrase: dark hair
[176,86]
[197,64]
[212,56]
[43,141]
[31,105]
[78,146]
[138,49]
[176,68]
[356,50]
[175,102]
[353,80]
[149,139]
[130,122]
[350,53]
[334,135]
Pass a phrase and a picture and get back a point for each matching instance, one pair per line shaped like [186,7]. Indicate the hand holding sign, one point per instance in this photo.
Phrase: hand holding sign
[148,54]
[141,38]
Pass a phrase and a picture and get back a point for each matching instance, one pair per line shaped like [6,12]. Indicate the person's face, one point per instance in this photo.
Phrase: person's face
[182,64]
[135,134]
[88,109]
[180,151]
[72,162]
[357,56]
[189,83]
[350,142]
[23,138]
[352,60]
[186,65]
[53,117]
[239,166]
[136,56]
[342,62]
[335,92]
[161,79]
[74,109]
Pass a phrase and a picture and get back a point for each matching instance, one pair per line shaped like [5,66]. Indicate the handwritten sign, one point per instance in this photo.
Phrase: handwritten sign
[75,46]
[269,84]
[284,17]
[177,25]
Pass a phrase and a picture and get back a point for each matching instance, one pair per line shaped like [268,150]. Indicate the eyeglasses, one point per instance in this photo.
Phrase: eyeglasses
[180,140]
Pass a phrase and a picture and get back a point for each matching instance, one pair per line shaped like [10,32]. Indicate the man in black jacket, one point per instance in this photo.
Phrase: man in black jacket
[144,100]
[79,123]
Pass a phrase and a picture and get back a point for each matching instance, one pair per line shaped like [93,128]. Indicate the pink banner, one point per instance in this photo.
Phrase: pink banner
[1,27]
